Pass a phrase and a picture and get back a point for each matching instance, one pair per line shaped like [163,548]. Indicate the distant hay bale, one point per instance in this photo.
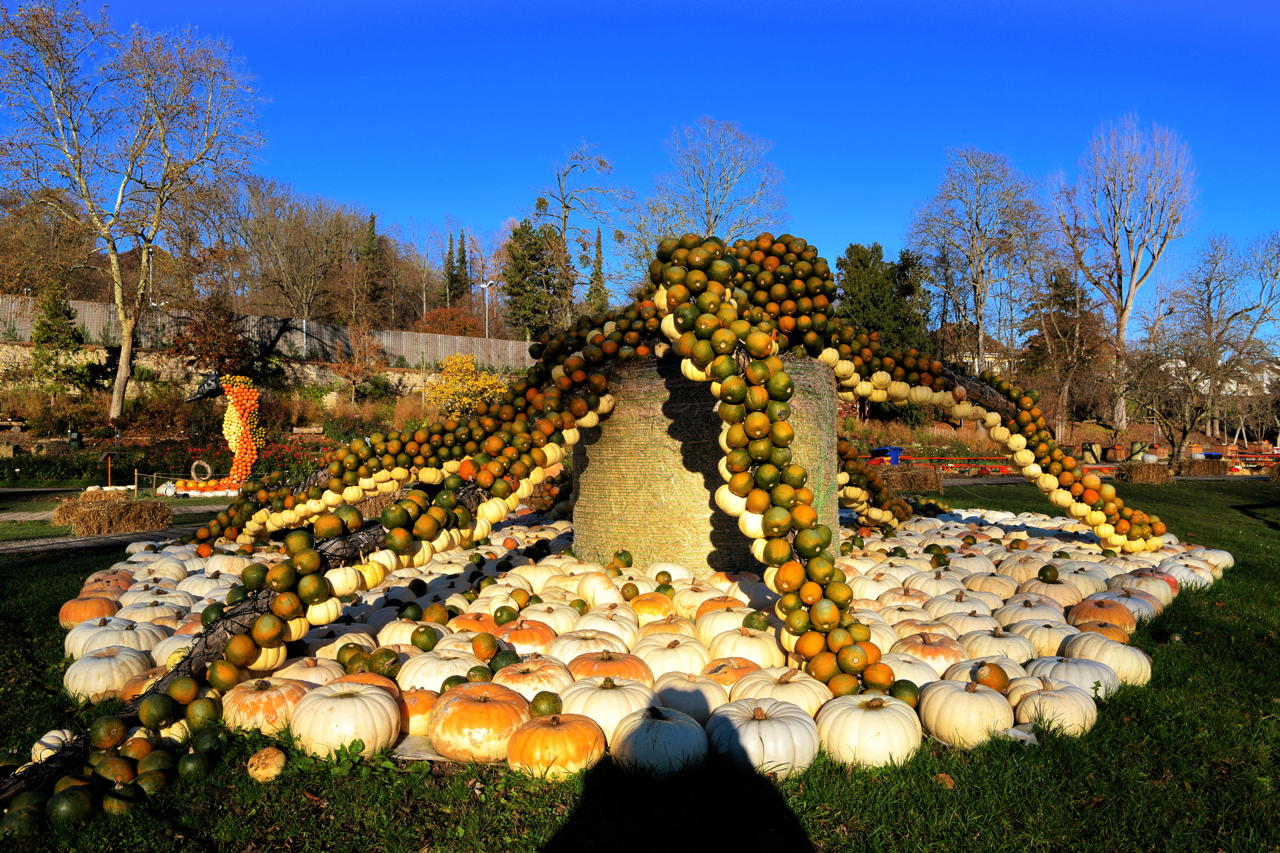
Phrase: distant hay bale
[64,514]
[912,478]
[99,518]
[1206,468]
[1145,473]
[112,495]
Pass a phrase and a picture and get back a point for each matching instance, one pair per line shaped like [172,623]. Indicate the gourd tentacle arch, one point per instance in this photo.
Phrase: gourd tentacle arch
[728,312]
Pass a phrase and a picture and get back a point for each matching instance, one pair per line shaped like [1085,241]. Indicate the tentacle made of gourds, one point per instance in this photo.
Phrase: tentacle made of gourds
[729,313]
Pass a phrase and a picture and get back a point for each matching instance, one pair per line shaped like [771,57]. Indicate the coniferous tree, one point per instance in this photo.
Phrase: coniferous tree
[536,291]
[448,276]
[462,267]
[883,296]
[57,339]
[597,296]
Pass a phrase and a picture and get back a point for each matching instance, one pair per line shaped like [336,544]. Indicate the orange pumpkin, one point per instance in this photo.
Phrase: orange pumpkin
[652,606]
[720,602]
[78,610]
[415,709]
[532,676]
[370,678]
[136,686]
[264,704]
[526,636]
[613,665]
[475,721]
[481,623]
[1106,629]
[727,671]
[1103,610]
[556,746]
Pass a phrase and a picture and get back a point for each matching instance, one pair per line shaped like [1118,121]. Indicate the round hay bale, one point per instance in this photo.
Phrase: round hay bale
[646,477]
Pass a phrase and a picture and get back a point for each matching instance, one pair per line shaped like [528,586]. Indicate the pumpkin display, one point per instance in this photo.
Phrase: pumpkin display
[333,716]
[658,741]
[555,746]
[474,722]
[534,675]
[869,731]
[769,735]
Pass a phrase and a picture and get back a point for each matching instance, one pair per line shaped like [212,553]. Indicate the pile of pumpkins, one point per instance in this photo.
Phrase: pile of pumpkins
[959,628]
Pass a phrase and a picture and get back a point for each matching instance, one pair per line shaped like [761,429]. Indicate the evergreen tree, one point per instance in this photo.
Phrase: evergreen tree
[462,268]
[449,275]
[537,293]
[883,296]
[597,296]
[370,273]
[57,340]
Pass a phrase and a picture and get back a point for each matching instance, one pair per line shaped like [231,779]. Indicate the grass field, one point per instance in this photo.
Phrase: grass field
[1190,762]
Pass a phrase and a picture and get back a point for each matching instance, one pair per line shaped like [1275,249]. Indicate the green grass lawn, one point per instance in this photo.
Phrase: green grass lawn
[1189,762]
[17,531]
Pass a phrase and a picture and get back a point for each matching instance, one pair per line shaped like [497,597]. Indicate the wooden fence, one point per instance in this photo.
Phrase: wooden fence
[301,339]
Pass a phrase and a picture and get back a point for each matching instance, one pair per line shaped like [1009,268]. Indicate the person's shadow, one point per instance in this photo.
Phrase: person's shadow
[715,806]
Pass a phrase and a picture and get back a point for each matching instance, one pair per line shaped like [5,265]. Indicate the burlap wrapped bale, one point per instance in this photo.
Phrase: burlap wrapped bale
[646,477]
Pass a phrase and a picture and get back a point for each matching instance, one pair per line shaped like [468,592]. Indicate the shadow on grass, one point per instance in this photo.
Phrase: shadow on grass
[716,806]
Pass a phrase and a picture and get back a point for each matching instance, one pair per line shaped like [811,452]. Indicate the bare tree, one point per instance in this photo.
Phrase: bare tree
[722,184]
[1132,200]
[121,125]
[982,220]
[1209,341]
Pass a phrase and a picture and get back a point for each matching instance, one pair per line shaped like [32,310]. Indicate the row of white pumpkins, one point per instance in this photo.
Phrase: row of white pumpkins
[689,653]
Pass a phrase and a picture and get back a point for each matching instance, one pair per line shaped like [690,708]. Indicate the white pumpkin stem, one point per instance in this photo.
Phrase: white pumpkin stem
[673,644]
[788,675]
[758,713]
[875,704]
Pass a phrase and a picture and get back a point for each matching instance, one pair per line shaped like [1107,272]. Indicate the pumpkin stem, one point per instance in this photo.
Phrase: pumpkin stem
[971,687]
[758,713]
[874,703]
[788,675]
[554,719]
[744,631]
[673,644]
[653,712]
[263,684]
[607,684]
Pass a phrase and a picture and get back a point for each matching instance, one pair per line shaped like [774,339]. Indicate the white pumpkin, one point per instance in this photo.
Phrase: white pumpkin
[957,602]
[1094,678]
[1061,707]
[909,668]
[784,683]
[869,731]
[695,695]
[100,674]
[716,622]
[50,743]
[571,644]
[427,671]
[757,646]
[995,641]
[1045,635]
[963,714]
[973,620]
[73,643]
[768,735]
[621,626]
[668,653]
[658,741]
[1131,665]
[313,671]
[334,715]
[531,677]
[1026,609]
[142,636]
[606,700]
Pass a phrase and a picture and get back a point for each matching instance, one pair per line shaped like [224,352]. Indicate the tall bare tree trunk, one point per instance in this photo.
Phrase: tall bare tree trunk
[124,369]
[1120,406]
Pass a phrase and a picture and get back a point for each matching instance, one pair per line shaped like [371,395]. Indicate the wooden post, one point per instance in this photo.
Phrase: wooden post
[135,482]
[108,470]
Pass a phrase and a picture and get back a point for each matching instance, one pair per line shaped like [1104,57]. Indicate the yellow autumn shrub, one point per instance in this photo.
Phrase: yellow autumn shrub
[462,386]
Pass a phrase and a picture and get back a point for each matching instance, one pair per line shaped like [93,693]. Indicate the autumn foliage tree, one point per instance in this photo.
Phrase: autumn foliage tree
[362,359]
[462,387]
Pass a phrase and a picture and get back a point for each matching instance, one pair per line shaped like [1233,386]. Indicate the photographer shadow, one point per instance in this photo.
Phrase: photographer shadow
[718,805]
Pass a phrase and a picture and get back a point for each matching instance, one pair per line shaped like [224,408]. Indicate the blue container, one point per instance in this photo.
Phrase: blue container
[893,453]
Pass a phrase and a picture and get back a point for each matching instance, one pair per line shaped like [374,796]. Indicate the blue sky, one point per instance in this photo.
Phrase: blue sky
[431,112]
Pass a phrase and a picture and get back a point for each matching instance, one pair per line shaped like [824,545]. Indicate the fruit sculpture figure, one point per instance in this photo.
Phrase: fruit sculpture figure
[239,427]
[729,313]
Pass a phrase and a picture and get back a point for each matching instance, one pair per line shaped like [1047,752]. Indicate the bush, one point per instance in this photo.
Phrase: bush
[462,387]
